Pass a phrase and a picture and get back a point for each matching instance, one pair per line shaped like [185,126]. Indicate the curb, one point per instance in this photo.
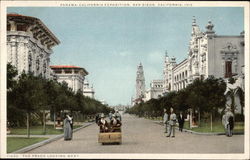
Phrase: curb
[200,133]
[36,145]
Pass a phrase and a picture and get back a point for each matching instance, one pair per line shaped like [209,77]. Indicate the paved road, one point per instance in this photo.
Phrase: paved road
[144,136]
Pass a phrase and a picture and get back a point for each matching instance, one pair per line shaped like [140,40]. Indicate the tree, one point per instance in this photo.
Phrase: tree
[180,100]
[13,118]
[241,94]
[28,95]
[11,74]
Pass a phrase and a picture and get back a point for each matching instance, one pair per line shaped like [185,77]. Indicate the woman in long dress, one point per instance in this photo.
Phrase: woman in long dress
[67,128]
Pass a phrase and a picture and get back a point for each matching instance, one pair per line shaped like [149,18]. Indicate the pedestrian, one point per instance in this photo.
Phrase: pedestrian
[97,118]
[103,124]
[172,122]
[118,115]
[67,128]
[181,121]
[228,122]
[165,120]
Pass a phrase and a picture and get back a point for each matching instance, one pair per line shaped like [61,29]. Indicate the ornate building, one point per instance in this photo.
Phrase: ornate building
[87,90]
[209,54]
[155,91]
[29,44]
[74,76]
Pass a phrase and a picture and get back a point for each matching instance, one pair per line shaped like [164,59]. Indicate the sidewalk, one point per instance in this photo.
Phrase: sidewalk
[45,136]
[202,133]
[51,139]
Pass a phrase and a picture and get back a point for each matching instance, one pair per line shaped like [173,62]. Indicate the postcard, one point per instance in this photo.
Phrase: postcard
[124,79]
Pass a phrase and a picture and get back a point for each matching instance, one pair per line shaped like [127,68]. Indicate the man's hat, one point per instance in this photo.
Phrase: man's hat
[102,115]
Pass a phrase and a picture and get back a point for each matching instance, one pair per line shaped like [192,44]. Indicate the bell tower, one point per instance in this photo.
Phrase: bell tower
[140,82]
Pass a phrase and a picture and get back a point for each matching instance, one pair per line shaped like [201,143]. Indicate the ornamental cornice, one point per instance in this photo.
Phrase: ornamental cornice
[34,26]
[39,45]
[229,52]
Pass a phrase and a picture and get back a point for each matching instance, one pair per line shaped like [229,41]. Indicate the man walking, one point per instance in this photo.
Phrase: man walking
[228,122]
[172,122]
[181,121]
[165,120]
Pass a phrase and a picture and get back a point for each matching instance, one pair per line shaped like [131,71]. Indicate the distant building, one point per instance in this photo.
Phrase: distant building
[140,85]
[87,90]
[104,102]
[74,76]
[29,44]
[140,82]
[155,91]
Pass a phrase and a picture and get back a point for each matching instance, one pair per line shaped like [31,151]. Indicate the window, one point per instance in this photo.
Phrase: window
[8,27]
[228,69]
[30,62]
[21,27]
[58,71]
[68,71]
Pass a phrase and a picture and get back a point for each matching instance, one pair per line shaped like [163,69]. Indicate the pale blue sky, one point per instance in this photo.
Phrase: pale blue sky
[110,42]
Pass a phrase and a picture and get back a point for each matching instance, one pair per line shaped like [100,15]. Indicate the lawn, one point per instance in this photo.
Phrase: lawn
[217,127]
[38,130]
[16,143]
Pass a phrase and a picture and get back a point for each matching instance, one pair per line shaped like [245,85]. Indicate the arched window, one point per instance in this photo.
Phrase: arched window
[228,69]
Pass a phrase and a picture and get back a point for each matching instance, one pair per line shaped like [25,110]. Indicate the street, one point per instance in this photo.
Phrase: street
[140,135]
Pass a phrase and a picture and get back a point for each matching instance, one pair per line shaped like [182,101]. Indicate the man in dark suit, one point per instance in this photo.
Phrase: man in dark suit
[181,121]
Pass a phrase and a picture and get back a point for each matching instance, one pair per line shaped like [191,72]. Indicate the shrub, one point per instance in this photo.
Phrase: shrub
[239,117]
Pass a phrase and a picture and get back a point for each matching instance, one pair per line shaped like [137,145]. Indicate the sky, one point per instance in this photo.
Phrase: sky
[110,42]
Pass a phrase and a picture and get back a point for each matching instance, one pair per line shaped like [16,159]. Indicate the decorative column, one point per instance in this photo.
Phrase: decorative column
[223,66]
[12,26]
[13,48]
[235,65]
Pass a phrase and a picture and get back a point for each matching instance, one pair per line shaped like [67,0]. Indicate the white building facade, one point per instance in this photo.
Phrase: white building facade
[29,44]
[74,76]
[87,90]
[155,91]
[209,54]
